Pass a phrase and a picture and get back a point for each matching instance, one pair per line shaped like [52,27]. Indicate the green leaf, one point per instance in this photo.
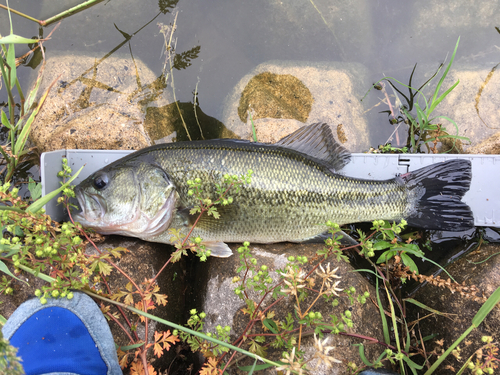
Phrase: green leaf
[419,254]
[259,367]
[386,255]
[383,318]
[10,58]
[368,271]
[32,94]
[271,325]
[35,189]
[436,101]
[12,38]
[5,269]
[363,356]
[257,349]
[407,261]
[36,206]
[10,249]
[10,208]
[381,245]
[5,120]
[130,347]
[425,307]
[253,367]
[412,364]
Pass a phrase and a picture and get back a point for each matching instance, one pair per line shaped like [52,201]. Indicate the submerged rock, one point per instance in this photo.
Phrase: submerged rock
[280,96]
[490,146]
[473,104]
[284,96]
[95,104]
[223,307]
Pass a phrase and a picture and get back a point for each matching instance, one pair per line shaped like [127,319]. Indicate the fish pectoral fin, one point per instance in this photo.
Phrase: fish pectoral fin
[218,249]
[317,140]
[346,240]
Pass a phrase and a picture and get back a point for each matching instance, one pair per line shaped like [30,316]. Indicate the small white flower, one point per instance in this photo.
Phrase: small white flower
[290,365]
[322,353]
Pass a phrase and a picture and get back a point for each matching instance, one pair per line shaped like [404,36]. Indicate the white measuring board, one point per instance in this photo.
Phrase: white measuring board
[483,196]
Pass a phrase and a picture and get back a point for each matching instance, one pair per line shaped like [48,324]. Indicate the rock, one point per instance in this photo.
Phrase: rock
[95,104]
[275,96]
[479,268]
[473,104]
[284,96]
[490,146]
[223,307]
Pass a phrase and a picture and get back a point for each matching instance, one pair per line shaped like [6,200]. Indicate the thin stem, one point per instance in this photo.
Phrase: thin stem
[69,12]
[21,14]
[121,326]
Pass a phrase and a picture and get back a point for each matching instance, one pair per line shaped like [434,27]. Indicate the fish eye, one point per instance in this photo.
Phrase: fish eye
[100,181]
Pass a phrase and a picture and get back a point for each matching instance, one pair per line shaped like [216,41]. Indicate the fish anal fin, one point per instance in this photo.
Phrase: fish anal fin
[218,249]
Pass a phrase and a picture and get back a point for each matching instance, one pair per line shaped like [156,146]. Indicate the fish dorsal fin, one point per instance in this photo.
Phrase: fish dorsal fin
[317,140]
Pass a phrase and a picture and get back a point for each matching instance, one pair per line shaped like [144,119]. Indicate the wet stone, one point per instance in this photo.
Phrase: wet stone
[473,104]
[275,96]
[95,104]
[277,110]
[490,146]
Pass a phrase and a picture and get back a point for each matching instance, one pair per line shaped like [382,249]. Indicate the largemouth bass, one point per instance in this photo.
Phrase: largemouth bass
[293,192]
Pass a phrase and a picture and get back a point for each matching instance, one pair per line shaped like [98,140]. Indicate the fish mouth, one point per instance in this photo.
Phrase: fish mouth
[92,208]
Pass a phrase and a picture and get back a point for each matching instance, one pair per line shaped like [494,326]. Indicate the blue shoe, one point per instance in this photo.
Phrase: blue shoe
[378,371]
[63,337]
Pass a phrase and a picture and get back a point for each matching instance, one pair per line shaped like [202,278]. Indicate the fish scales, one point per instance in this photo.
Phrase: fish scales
[286,188]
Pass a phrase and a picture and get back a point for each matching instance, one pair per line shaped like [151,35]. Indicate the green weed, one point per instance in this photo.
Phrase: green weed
[423,128]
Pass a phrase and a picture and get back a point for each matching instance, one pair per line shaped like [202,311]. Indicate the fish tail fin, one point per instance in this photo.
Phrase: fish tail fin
[438,190]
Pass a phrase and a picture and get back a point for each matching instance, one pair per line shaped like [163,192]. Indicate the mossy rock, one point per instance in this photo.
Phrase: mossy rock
[272,95]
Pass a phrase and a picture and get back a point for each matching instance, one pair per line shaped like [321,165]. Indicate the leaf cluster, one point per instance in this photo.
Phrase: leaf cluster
[424,128]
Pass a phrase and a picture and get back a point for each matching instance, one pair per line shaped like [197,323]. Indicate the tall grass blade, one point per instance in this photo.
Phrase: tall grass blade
[23,137]
[436,92]
[385,327]
[363,356]
[425,307]
[490,303]
[4,269]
